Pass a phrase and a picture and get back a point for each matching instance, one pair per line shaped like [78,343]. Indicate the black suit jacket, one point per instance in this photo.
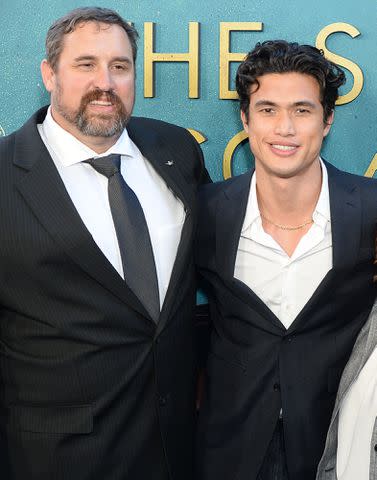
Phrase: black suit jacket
[255,366]
[91,388]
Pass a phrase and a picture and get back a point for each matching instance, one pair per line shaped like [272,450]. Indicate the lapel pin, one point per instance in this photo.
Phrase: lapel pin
[169,163]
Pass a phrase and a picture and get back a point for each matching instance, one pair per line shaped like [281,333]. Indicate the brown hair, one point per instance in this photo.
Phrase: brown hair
[68,23]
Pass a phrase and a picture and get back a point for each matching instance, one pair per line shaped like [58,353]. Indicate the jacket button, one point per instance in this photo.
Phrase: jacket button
[162,401]
[276,387]
[375,448]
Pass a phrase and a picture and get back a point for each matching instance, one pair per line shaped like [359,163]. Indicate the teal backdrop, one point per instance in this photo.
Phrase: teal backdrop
[352,144]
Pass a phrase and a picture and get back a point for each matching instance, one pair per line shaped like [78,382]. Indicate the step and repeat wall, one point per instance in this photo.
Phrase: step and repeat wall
[188,55]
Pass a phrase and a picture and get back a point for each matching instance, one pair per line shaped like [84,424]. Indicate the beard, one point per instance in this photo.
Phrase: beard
[95,125]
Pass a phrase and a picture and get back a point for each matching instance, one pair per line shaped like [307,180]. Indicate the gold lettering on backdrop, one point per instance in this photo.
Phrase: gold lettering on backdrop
[227,57]
[191,57]
[358,78]
[229,152]
[371,170]
[199,137]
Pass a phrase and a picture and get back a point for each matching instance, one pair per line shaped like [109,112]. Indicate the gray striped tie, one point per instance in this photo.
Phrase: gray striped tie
[133,235]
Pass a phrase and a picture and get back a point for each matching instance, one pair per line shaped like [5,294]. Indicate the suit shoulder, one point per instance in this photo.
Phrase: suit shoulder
[366,182]
[6,149]
[366,185]
[212,191]
[175,141]
[24,134]
[213,197]
[360,179]
[368,193]
[7,142]
[159,126]
[351,179]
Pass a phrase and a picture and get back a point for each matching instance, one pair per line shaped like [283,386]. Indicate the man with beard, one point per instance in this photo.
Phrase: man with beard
[97,285]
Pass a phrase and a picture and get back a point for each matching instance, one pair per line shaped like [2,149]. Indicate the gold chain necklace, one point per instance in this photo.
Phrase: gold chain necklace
[287,227]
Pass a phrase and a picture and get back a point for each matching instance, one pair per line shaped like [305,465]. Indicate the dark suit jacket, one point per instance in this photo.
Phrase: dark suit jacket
[256,366]
[91,388]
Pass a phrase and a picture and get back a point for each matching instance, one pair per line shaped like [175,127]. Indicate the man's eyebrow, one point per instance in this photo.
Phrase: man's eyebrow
[93,57]
[84,57]
[300,103]
[122,59]
[264,103]
[304,103]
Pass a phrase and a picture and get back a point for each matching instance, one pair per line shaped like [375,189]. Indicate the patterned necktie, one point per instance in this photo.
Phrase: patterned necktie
[133,235]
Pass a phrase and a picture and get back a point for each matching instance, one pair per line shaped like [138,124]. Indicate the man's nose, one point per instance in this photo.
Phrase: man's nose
[285,125]
[103,79]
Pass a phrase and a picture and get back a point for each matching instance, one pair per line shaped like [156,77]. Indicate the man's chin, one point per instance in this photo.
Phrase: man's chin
[100,119]
[102,126]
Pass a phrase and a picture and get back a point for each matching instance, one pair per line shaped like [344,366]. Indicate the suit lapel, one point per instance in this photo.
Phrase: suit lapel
[365,344]
[230,216]
[45,193]
[159,153]
[345,207]
[164,160]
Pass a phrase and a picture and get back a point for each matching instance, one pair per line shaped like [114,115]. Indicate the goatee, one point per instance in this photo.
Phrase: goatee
[101,124]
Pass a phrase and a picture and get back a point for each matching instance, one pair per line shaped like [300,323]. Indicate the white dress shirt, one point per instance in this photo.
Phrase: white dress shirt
[357,415]
[283,283]
[164,212]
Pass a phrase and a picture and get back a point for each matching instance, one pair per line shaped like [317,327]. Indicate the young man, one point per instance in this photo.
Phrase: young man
[287,253]
[97,287]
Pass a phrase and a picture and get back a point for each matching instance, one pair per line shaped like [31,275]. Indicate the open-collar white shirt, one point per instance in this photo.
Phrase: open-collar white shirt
[285,284]
[164,212]
[357,424]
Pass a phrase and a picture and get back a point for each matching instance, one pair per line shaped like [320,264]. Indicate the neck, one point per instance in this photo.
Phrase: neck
[289,200]
[98,144]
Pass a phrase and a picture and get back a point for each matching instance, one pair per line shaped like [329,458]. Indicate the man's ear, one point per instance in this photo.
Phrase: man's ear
[245,120]
[329,122]
[48,75]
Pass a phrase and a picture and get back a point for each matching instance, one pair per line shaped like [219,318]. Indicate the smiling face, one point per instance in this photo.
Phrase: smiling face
[285,125]
[93,87]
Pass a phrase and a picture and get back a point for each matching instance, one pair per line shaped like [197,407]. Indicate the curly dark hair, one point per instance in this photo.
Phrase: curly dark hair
[279,56]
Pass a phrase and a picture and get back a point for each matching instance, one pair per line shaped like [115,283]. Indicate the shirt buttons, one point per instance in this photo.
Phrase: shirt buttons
[162,401]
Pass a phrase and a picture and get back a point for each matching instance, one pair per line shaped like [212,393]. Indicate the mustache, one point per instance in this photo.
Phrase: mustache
[106,95]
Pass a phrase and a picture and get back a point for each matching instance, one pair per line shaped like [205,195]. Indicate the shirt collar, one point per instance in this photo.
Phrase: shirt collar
[69,150]
[252,210]
[321,214]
